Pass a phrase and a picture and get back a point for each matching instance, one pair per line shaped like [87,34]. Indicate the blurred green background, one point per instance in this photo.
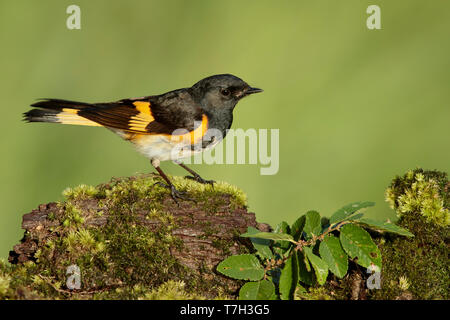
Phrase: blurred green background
[354,106]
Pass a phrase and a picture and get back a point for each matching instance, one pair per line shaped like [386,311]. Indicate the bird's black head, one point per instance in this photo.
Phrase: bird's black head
[221,91]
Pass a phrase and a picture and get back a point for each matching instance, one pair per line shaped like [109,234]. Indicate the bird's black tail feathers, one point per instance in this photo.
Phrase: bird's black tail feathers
[58,111]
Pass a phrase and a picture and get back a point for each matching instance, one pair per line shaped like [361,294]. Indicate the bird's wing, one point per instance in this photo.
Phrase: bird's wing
[148,115]
[170,111]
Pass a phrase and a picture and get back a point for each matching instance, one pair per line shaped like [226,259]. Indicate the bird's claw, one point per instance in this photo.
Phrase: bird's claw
[176,194]
[201,180]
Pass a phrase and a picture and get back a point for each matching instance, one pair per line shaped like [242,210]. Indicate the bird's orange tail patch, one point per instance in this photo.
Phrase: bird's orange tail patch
[70,116]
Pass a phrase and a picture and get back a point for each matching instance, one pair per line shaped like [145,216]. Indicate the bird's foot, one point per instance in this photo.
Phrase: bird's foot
[200,179]
[176,194]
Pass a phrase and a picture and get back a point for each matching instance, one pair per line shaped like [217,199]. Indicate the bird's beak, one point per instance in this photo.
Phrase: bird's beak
[251,90]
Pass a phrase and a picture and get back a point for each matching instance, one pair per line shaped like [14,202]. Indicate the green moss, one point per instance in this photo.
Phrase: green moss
[170,290]
[313,293]
[421,191]
[73,216]
[81,191]
[144,185]
[206,193]
[5,280]
[419,264]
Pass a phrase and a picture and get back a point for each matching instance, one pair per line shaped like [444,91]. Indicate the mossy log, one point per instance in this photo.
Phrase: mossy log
[130,239]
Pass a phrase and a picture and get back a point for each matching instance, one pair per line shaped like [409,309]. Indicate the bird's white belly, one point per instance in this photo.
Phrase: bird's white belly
[162,148]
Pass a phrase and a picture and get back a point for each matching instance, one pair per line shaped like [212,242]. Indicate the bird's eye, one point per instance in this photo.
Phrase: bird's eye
[225,92]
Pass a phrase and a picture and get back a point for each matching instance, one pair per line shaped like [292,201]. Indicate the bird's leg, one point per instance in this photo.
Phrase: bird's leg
[195,176]
[176,194]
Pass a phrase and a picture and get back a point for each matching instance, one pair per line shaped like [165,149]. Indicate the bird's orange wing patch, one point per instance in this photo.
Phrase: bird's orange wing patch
[140,121]
[194,136]
[191,137]
[198,133]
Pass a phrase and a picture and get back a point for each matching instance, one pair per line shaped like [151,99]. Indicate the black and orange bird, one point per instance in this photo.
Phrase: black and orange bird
[170,126]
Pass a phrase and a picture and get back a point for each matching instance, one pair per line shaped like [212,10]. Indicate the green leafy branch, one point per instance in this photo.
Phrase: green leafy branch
[306,252]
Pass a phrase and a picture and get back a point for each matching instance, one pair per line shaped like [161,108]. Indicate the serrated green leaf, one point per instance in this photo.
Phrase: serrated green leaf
[348,210]
[260,290]
[297,227]
[262,246]
[288,278]
[305,274]
[282,228]
[320,267]
[269,236]
[243,266]
[358,243]
[356,217]
[331,252]
[312,224]
[385,226]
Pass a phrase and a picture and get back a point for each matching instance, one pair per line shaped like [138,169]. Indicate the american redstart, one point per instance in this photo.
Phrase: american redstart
[163,127]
